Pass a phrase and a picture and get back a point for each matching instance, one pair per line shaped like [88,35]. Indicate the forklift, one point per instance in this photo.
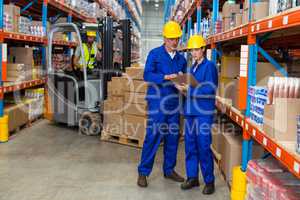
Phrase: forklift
[77,101]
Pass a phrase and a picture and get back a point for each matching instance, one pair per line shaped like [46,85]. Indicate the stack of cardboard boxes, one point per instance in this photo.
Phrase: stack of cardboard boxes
[231,15]
[125,109]
[260,9]
[230,74]
[227,143]
[135,117]
[23,110]
[114,107]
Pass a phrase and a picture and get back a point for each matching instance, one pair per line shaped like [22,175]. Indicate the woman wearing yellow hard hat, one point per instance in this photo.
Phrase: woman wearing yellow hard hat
[163,63]
[199,112]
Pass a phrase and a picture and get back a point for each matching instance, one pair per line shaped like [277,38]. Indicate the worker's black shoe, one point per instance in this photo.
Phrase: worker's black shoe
[209,189]
[142,181]
[190,183]
[174,177]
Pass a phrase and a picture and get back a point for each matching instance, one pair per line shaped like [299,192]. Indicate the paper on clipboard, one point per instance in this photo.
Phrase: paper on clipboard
[188,79]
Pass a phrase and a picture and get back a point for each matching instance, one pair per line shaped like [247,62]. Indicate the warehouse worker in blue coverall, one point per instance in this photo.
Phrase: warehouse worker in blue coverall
[163,63]
[199,112]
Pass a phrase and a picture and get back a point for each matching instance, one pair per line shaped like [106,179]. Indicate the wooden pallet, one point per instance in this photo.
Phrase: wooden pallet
[26,125]
[122,139]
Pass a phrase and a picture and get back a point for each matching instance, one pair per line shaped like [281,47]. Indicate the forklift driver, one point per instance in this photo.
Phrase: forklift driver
[92,53]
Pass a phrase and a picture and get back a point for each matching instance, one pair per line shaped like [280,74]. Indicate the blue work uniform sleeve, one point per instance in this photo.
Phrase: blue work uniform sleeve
[184,69]
[207,88]
[150,73]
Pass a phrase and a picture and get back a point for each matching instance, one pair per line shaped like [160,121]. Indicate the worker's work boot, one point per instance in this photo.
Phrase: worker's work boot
[190,183]
[142,181]
[174,177]
[209,189]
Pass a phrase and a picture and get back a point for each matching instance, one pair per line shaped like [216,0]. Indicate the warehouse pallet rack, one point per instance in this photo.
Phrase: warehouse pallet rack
[251,34]
[43,9]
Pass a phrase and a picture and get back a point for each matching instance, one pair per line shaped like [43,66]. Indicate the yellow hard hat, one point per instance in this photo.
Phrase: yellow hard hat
[196,42]
[91,33]
[172,30]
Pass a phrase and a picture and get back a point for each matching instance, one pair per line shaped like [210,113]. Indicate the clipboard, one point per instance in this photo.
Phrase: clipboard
[188,79]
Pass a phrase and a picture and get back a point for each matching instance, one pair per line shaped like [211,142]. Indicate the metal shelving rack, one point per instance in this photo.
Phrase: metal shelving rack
[43,8]
[251,34]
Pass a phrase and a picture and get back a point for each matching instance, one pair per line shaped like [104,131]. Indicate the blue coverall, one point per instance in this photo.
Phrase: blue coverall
[199,111]
[163,110]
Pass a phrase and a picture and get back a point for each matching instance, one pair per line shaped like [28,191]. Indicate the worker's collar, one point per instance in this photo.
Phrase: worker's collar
[171,54]
[196,64]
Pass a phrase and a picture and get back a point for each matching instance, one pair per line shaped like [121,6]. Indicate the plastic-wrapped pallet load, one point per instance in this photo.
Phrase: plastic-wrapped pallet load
[35,101]
[267,179]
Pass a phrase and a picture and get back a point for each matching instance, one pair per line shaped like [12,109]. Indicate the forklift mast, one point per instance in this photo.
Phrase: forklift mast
[126,30]
[107,29]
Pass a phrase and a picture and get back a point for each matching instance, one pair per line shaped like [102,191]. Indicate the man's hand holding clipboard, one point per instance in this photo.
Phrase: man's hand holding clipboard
[185,79]
[182,81]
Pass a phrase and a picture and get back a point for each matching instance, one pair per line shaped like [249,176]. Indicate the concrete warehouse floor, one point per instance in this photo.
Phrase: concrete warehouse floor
[50,162]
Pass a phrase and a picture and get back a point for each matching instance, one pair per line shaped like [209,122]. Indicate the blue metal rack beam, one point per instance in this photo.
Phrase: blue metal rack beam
[272,61]
[28,6]
[189,27]
[44,22]
[199,17]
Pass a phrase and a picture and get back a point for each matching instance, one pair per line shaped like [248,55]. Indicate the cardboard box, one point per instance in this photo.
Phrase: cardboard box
[135,126]
[14,12]
[135,98]
[229,89]
[217,133]
[264,70]
[116,87]
[21,55]
[17,115]
[115,106]
[217,138]
[136,109]
[113,124]
[280,119]
[245,19]
[136,73]
[137,86]
[17,71]
[229,8]
[226,23]
[230,66]
[16,67]
[238,19]
[260,10]
[231,152]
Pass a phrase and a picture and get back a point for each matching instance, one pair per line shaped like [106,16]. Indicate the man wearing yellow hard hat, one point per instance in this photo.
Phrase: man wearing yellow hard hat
[199,112]
[91,52]
[163,63]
